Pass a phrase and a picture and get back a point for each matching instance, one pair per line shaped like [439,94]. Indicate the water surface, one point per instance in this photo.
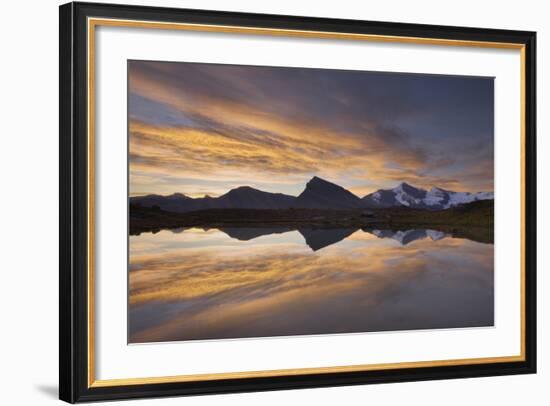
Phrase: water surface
[257,282]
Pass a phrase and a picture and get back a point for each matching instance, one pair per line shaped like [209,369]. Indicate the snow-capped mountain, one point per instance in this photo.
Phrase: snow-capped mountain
[318,194]
[410,196]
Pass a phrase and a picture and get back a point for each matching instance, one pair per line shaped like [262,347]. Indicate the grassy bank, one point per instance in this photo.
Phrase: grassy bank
[473,220]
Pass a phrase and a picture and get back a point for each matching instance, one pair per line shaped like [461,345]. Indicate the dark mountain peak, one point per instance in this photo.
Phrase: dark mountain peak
[318,183]
[250,191]
[157,198]
[241,190]
[246,197]
[178,195]
[322,194]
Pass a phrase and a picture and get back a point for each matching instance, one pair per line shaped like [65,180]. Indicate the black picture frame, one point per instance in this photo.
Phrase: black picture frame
[74,385]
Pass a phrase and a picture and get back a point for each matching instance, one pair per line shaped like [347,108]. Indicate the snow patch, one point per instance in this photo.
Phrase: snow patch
[435,235]
[435,198]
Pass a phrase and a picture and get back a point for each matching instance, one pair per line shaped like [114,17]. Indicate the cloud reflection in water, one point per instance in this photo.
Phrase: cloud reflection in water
[198,284]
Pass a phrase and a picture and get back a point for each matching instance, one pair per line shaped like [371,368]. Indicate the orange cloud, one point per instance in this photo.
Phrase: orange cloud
[243,141]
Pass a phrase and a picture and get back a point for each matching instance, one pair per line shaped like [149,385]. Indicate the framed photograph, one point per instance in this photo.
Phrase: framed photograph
[257,202]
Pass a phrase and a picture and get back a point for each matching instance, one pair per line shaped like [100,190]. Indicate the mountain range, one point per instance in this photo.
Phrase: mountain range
[434,199]
[318,194]
[405,237]
[318,238]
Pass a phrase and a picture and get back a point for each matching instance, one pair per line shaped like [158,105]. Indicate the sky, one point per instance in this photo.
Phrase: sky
[203,129]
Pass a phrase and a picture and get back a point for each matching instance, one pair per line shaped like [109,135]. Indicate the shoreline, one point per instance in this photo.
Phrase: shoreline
[473,221]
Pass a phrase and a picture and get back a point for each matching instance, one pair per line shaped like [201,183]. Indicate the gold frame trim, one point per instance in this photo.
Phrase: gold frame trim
[94,22]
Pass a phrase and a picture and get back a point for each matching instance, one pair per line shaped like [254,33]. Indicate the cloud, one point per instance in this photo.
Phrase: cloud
[255,124]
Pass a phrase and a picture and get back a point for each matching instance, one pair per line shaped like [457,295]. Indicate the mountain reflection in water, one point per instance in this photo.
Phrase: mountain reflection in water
[317,238]
[241,282]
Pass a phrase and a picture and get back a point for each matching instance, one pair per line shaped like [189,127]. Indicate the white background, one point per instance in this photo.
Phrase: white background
[115,359]
[28,164]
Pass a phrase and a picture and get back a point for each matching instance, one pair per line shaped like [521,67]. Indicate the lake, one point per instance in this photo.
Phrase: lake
[197,284]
